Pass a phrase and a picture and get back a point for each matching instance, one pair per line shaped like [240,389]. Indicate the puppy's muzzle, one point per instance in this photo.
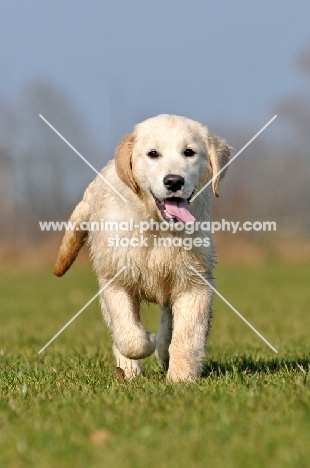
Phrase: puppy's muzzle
[173,182]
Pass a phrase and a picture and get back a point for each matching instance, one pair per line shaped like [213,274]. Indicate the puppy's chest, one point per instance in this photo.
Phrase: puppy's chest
[155,270]
[156,273]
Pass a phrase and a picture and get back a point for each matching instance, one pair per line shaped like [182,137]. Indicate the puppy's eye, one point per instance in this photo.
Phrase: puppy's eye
[189,152]
[153,154]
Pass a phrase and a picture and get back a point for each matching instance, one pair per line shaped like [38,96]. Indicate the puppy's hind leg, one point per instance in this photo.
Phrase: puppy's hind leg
[131,367]
[163,337]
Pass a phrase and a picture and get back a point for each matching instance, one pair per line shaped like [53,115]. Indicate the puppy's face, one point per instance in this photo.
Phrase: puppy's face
[170,159]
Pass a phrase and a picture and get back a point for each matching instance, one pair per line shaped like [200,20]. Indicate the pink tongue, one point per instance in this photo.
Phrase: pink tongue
[179,209]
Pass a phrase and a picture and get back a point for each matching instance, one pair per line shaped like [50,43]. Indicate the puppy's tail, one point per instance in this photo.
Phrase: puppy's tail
[74,238]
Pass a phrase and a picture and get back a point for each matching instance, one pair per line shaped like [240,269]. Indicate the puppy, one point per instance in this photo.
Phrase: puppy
[157,169]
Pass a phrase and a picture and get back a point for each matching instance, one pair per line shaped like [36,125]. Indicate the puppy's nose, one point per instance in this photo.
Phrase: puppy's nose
[173,182]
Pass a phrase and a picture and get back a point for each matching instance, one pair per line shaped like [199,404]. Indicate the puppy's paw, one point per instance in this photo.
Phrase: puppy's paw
[126,368]
[128,372]
[181,372]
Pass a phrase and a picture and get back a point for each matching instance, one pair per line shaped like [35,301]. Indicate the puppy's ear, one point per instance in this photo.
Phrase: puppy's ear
[123,162]
[219,153]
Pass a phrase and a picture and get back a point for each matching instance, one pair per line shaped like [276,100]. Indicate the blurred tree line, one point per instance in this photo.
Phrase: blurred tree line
[41,178]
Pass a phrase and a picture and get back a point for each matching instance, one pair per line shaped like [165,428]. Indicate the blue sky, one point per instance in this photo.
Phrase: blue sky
[120,62]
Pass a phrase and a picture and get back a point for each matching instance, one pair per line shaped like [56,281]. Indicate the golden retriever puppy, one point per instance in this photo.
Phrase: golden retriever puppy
[158,234]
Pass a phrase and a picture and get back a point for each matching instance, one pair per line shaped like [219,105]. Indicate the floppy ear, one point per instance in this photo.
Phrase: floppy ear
[219,153]
[123,163]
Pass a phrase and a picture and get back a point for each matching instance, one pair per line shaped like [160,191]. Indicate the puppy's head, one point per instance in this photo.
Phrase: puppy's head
[168,158]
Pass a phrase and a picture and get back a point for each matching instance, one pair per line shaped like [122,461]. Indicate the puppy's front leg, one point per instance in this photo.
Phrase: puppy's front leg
[131,341]
[191,316]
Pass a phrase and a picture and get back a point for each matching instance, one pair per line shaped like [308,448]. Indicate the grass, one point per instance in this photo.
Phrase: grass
[66,408]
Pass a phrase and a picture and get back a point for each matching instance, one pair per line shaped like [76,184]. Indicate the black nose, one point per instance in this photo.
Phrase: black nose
[173,182]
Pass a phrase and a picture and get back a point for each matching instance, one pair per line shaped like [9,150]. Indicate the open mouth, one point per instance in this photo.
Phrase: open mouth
[175,209]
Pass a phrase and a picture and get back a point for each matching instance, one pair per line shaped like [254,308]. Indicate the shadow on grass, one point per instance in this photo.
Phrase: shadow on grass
[249,365]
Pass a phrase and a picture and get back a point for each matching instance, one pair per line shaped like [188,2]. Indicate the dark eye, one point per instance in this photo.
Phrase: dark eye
[153,154]
[189,152]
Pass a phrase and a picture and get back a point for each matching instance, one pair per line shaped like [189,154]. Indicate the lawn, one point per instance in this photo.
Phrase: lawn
[67,408]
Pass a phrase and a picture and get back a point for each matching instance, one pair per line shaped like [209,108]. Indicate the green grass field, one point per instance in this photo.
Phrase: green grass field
[66,407]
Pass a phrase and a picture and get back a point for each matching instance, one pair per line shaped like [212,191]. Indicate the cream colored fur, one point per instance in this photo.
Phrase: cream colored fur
[156,274]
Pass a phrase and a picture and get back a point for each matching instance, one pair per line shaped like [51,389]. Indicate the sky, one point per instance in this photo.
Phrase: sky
[121,62]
